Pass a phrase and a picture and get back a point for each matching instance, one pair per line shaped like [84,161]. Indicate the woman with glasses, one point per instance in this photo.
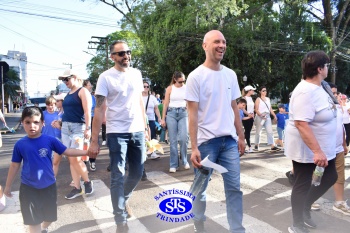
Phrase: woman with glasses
[76,127]
[151,106]
[176,119]
[263,110]
[310,138]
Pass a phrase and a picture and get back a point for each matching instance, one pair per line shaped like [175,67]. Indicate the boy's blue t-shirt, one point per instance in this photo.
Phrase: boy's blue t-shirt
[241,114]
[36,154]
[281,120]
[48,129]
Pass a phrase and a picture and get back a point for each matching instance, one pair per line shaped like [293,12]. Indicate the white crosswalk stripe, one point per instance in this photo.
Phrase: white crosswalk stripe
[97,214]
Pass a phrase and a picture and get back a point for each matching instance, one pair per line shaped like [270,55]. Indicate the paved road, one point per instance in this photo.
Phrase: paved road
[264,185]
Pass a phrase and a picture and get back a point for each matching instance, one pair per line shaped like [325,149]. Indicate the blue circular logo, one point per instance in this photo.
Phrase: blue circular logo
[175,206]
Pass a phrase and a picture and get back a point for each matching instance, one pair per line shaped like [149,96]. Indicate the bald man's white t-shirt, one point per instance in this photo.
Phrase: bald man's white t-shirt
[214,91]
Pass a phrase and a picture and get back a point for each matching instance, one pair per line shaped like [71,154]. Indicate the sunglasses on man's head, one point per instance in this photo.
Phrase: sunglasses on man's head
[122,53]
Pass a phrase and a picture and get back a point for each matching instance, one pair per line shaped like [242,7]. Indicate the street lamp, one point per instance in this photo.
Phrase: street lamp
[245,78]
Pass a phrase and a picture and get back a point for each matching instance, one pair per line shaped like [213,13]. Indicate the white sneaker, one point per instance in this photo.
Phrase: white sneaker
[172,170]
[154,156]
[250,150]
[187,166]
[315,206]
[342,208]
[103,143]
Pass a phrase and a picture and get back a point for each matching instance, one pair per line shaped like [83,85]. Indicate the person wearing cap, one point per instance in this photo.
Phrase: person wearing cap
[76,127]
[248,91]
[58,124]
[119,94]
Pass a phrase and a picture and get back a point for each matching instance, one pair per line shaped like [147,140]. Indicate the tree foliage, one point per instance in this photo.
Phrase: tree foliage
[266,39]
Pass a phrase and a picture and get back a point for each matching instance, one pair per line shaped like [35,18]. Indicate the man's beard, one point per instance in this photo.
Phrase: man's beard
[124,65]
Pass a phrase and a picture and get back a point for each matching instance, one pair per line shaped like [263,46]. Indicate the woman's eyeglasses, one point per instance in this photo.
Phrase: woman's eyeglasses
[122,53]
[263,90]
[181,82]
[145,86]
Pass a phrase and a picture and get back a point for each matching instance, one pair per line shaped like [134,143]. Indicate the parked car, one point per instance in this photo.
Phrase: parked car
[38,100]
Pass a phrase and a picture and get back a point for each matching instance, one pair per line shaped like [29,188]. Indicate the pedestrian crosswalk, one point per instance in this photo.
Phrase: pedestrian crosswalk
[266,204]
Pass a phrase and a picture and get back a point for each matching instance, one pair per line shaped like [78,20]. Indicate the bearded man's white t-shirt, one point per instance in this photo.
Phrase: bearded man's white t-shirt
[123,92]
[214,91]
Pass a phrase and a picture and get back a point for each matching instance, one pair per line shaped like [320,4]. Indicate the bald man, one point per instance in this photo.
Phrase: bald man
[215,130]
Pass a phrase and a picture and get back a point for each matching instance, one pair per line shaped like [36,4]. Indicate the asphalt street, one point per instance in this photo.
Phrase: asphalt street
[266,196]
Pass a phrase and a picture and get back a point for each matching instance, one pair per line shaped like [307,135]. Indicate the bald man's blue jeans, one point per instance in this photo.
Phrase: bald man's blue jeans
[223,151]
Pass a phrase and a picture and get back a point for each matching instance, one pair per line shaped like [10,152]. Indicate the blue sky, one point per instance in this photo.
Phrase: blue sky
[51,42]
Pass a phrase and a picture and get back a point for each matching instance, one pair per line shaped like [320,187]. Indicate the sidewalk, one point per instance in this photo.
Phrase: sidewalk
[12,120]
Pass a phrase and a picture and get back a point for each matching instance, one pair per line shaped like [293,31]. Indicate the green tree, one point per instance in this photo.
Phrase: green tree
[97,64]
[11,86]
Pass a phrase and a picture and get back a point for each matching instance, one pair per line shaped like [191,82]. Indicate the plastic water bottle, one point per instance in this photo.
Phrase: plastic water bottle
[317,176]
[86,144]
[263,121]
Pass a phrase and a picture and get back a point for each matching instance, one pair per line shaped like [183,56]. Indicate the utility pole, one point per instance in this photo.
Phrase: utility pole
[68,64]
[4,68]
[102,41]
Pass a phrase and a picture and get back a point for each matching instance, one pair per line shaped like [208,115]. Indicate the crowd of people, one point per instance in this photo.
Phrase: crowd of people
[209,109]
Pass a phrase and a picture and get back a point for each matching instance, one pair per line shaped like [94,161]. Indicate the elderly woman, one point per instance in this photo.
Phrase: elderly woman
[310,138]
[76,127]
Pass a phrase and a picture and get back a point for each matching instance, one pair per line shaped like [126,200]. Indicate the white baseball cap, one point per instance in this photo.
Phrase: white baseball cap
[60,96]
[249,87]
[68,73]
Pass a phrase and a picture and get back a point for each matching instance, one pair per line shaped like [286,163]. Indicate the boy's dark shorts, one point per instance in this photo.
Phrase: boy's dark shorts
[38,205]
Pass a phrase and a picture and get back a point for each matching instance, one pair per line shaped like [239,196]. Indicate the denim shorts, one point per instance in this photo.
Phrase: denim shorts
[73,135]
[280,132]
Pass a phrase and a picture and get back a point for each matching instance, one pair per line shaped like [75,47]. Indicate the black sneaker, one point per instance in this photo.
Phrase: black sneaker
[144,176]
[109,168]
[291,177]
[308,220]
[88,187]
[122,228]
[74,193]
[93,166]
[199,227]
[45,231]
[256,148]
[298,229]
[275,149]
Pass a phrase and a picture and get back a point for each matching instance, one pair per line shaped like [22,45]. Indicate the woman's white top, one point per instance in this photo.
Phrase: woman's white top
[153,102]
[340,130]
[177,97]
[250,104]
[310,103]
[264,107]
[346,115]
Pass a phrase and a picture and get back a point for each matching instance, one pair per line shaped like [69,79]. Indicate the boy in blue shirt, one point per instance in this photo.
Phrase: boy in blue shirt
[281,123]
[38,193]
